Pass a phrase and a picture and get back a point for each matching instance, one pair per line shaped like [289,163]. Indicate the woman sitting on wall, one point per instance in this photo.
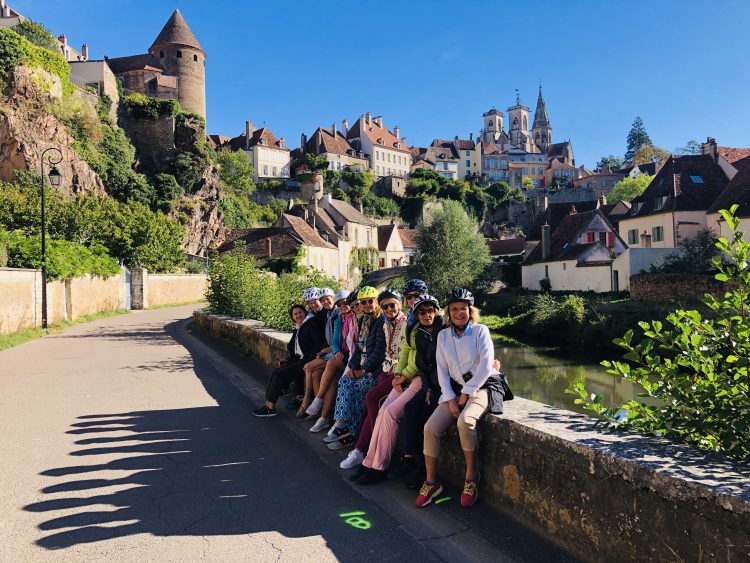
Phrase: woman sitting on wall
[395,334]
[314,368]
[306,341]
[464,359]
[360,375]
[344,341]
[406,385]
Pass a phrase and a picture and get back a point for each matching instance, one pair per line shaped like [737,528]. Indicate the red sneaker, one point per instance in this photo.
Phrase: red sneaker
[470,493]
[428,492]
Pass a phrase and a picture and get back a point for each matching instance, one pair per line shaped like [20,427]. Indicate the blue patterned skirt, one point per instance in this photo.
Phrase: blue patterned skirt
[350,400]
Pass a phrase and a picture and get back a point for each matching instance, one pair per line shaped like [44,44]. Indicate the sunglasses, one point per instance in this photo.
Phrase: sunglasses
[366,301]
[426,312]
[389,306]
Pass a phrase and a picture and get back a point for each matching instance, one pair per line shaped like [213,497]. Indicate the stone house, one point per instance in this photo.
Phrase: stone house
[601,182]
[390,246]
[440,156]
[386,150]
[576,256]
[469,155]
[560,173]
[673,207]
[173,68]
[333,144]
[269,155]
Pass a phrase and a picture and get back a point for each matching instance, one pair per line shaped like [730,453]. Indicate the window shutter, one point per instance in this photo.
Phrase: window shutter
[590,237]
[610,240]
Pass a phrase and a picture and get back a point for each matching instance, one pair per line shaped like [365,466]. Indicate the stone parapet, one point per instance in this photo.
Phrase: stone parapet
[663,288]
[615,497]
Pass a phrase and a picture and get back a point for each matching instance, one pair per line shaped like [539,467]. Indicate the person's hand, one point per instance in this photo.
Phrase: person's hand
[496,365]
[357,373]
[453,408]
[462,400]
[339,356]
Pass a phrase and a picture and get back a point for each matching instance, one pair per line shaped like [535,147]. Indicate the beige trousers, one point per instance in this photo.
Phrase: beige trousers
[467,424]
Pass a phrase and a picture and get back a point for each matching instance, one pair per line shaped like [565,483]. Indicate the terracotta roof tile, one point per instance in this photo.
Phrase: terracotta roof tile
[324,141]
[256,242]
[562,238]
[120,65]
[378,134]
[305,232]
[350,213]
[408,237]
[554,215]
[508,246]
[732,155]
[466,144]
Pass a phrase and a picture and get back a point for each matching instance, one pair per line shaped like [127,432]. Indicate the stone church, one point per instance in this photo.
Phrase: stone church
[174,67]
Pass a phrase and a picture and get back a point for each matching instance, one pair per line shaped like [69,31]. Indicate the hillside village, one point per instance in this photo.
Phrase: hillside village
[562,230]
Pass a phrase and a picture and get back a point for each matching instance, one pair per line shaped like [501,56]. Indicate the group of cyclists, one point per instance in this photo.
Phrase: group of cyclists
[362,364]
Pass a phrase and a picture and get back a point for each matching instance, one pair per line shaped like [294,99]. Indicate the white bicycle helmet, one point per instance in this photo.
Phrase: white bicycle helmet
[310,294]
[325,292]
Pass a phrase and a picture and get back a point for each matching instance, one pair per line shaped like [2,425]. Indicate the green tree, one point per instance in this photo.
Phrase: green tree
[450,250]
[650,153]
[166,191]
[611,162]
[691,147]
[37,34]
[694,368]
[309,163]
[628,189]
[637,137]
[696,256]
[527,183]
[236,170]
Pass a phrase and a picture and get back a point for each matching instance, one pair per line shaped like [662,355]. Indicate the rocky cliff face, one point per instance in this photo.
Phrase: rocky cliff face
[204,227]
[27,128]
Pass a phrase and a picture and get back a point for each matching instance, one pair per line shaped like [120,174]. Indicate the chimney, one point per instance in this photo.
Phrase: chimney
[62,39]
[396,131]
[328,198]
[333,129]
[368,118]
[249,130]
[546,242]
[545,203]
[403,142]
[358,205]
[645,239]
[572,210]
[709,148]
[303,141]
[471,136]
[282,142]
[6,12]
[291,204]
[269,254]
[344,127]
[379,120]
[85,52]
[602,200]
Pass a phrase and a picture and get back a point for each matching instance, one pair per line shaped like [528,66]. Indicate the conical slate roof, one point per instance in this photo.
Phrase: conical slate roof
[540,115]
[176,31]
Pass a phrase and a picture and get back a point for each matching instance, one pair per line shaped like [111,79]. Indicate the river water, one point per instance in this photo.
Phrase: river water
[543,375]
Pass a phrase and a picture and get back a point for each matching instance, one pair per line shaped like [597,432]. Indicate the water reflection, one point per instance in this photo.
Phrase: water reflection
[542,375]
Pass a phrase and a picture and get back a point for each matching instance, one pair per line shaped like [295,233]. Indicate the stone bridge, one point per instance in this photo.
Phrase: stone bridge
[380,278]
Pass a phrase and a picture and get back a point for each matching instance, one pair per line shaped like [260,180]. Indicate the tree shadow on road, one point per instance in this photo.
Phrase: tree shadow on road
[204,471]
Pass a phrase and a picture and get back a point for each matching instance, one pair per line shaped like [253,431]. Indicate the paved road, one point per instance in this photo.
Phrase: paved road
[123,440]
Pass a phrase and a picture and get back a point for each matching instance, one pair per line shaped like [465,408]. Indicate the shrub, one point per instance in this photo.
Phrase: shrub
[15,50]
[236,171]
[167,191]
[141,106]
[11,51]
[545,285]
[694,369]
[238,288]
[696,255]
[37,34]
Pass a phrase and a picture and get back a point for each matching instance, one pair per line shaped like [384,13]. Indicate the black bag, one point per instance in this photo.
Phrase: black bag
[498,390]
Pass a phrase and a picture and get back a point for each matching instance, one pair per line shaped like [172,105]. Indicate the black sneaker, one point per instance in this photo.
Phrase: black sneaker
[344,442]
[372,477]
[404,468]
[336,434]
[264,412]
[361,470]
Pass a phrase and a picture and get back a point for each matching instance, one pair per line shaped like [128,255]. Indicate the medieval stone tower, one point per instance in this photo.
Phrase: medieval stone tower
[518,123]
[180,55]
[541,130]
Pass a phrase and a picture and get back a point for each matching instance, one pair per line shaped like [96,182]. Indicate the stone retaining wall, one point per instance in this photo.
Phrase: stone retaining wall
[164,289]
[662,288]
[615,497]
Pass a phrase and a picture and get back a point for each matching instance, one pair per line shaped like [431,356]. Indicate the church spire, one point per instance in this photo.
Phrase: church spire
[541,130]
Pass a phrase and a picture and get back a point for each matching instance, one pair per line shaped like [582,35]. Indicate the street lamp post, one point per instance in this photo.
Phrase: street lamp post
[54,176]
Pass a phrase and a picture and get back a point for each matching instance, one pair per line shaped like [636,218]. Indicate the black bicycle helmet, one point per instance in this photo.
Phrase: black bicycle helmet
[459,294]
[352,297]
[425,298]
[389,294]
[415,286]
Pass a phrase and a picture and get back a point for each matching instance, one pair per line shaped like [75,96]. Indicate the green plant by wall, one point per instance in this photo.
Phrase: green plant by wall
[363,259]
[15,50]
[65,259]
[694,367]
[141,106]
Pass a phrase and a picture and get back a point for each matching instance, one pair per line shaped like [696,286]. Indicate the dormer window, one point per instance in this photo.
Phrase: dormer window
[636,208]
[697,179]
[659,202]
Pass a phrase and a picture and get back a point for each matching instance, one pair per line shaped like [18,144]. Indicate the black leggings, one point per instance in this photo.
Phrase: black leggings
[416,413]
[282,377]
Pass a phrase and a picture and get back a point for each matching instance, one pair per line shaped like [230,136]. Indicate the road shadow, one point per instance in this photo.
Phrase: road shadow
[204,471]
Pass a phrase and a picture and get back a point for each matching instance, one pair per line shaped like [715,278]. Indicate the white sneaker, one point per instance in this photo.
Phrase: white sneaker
[354,458]
[315,406]
[320,425]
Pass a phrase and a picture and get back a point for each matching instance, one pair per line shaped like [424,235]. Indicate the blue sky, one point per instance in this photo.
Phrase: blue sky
[434,67]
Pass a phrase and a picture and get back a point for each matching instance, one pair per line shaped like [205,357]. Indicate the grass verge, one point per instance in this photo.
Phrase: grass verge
[27,334]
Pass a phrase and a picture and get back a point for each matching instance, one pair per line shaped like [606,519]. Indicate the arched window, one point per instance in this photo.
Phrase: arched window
[515,123]
[525,123]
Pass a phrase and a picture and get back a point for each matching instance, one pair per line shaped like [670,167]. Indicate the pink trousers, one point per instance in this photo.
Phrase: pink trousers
[385,432]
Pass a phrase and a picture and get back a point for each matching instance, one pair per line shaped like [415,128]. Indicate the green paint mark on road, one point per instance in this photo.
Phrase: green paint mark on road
[355,520]
[438,501]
